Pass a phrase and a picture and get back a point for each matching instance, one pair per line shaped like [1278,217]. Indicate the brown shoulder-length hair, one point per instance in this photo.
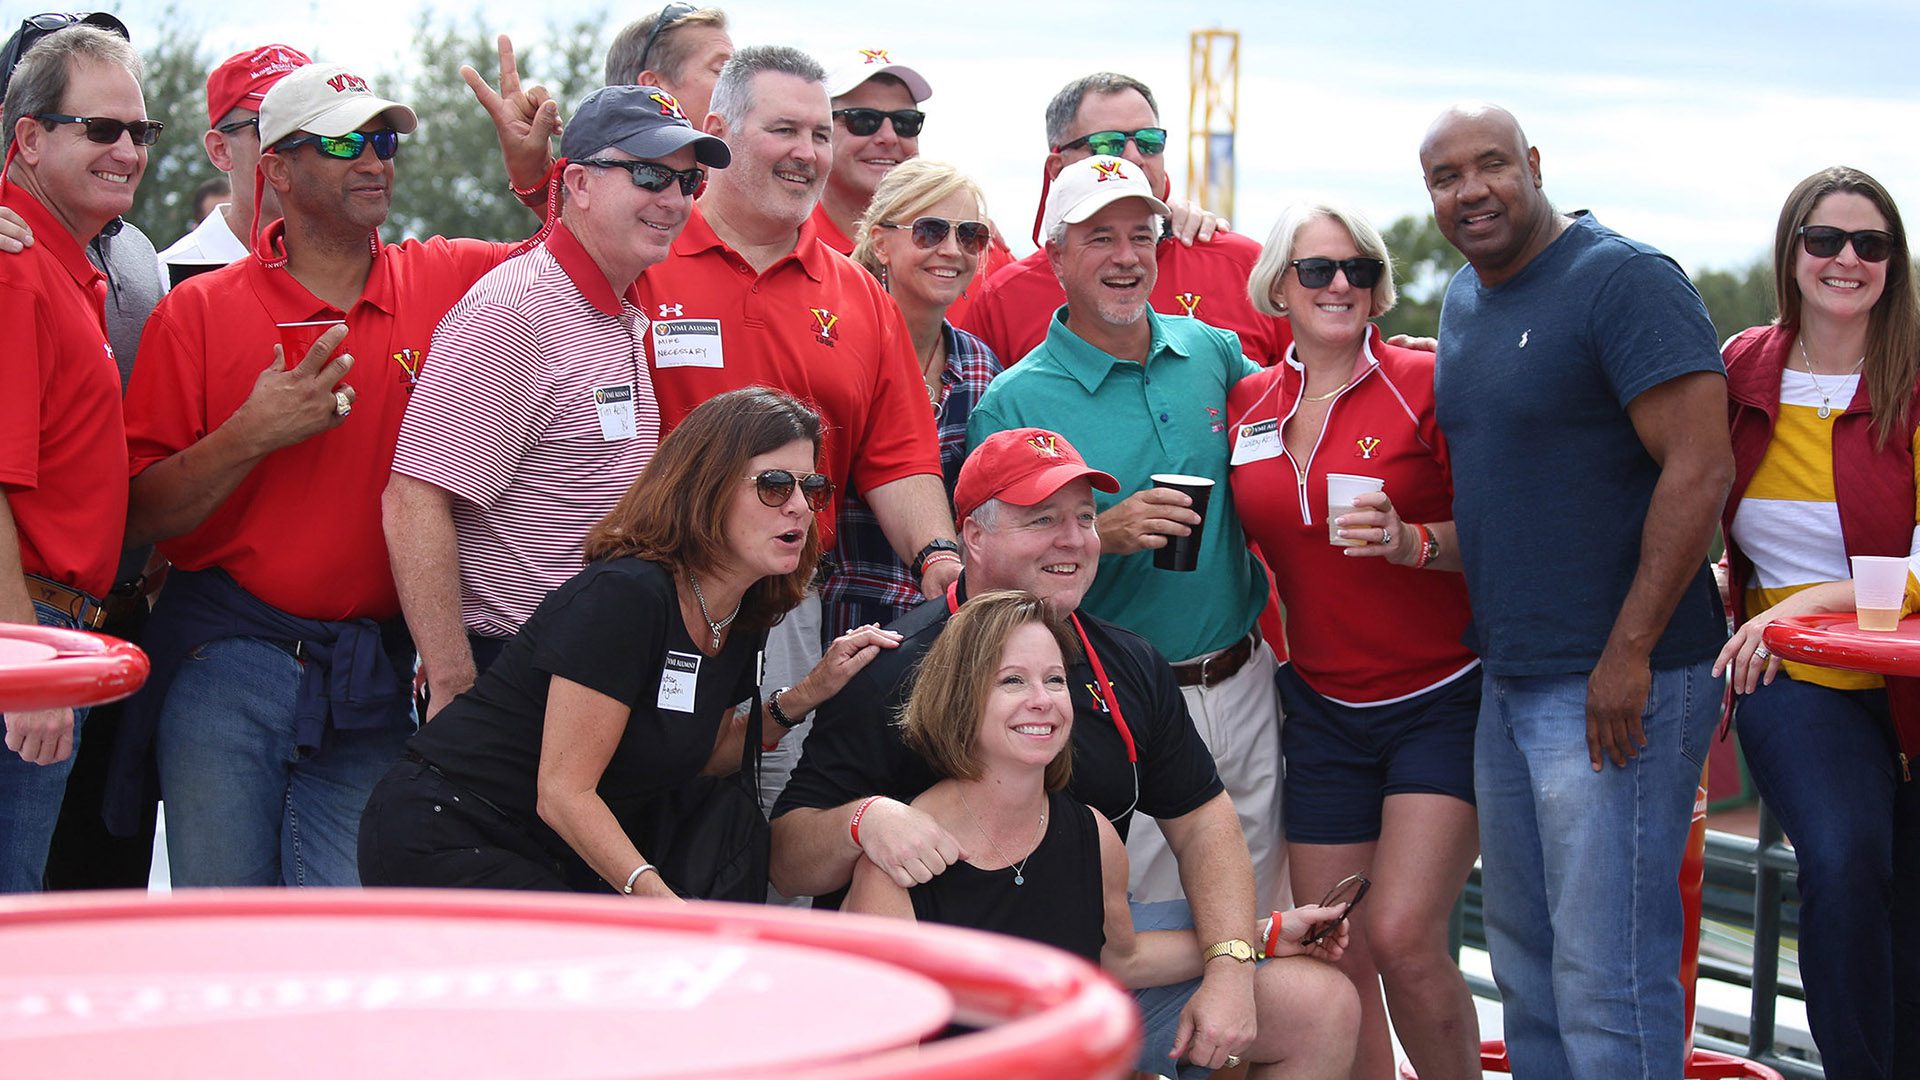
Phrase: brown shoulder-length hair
[676,512]
[1893,329]
[941,720]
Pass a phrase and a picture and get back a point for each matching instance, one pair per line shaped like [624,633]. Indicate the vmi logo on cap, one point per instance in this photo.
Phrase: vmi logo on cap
[348,83]
[1045,445]
[874,56]
[669,106]
[1109,170]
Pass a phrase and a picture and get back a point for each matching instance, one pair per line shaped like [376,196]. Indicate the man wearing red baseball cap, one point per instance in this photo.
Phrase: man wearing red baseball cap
[234,92]
[1026,508]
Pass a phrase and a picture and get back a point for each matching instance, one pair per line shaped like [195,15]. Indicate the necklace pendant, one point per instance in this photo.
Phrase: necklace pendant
[714,641]
[1019,878]
[1823,411]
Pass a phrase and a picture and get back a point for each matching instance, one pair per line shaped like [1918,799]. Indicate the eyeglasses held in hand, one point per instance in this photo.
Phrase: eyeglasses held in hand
[1151,141]
[350,146]
[931,232]
[775,487]
[651,175]
[105,129]
[1347,896]
[906,122]
[1361,273]
[1825,241]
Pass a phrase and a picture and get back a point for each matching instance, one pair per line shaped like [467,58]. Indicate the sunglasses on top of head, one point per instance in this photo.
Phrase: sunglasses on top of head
[105,129]
[650,175]
[349,147]
[775,487]
[931,232]
[1151,141]
[669,15]
[906,122]
[1825,241]
[1362,273]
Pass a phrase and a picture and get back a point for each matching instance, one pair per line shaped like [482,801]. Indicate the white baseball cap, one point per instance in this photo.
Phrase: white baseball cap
[849,68]
[1087,186]
[326,99]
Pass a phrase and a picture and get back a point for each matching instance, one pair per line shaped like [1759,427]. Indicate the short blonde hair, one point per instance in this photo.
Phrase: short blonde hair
[909,188]
[941,720]
[1278,252]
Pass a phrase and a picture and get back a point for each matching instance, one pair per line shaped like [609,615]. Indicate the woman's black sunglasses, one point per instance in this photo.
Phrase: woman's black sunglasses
[906,122]
[776,487]
[1362,273]
[1825,241]
[931,232]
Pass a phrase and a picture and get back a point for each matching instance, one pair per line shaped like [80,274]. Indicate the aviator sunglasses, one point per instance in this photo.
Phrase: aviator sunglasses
[776,487]
[348,147]
[105,129]
[906,122]
[1825,241]
[1362,273]
[931,232]
[1151,141]
[651,175]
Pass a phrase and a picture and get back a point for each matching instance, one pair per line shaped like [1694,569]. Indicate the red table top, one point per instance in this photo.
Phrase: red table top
[1836,641]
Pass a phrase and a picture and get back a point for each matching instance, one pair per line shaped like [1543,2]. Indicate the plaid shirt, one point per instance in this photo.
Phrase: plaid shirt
[868,583]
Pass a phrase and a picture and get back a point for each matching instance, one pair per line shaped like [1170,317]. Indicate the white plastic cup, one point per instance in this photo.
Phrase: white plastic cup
[1341,490]
[1879,587]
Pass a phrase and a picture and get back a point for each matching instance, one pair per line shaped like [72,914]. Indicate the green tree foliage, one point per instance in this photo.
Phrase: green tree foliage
[1738,298]
[448,177]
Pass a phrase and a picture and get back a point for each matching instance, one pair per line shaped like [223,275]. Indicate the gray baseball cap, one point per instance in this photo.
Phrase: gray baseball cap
[644,121]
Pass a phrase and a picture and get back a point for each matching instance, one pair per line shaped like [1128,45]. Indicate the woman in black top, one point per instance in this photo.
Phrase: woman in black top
[990,711]
[622,685]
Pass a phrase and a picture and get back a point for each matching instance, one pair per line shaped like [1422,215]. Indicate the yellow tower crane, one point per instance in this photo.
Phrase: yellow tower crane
[1213,107]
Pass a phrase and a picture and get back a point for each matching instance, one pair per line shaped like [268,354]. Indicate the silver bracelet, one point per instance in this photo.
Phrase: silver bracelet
[635,876]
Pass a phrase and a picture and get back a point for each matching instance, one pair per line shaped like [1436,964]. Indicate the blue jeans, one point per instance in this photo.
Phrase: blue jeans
[1824,762]
[30,797]
[1160,1006]
[243,806]
[1581,873]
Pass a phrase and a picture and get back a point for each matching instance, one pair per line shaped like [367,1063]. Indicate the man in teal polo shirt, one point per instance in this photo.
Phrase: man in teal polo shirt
[1143,393]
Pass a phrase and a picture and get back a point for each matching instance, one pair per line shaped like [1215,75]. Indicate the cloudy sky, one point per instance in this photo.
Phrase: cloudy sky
[1681,123]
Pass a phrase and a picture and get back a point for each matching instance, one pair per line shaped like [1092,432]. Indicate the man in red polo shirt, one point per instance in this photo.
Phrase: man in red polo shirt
[1207,279]
[750,295]
[76,137]
[281,668]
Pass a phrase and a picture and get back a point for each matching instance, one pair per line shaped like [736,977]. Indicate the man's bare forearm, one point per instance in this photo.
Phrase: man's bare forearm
[424,549]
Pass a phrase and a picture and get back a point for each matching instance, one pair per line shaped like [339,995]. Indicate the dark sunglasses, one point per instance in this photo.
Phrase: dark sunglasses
[1348,893]
[1825,241]
[349,147]
[931,232]
[1362,273]
[652,175]
[1151,141]
[906,122]
[106,130]
[250,122]
[776,487]
[669,15]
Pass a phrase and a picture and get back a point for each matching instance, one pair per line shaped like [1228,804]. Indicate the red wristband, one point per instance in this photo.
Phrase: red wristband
[1273,934]
[858,813]
[1427,548]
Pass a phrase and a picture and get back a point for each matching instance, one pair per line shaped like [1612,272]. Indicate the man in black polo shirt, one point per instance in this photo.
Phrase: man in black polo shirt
[1025,501]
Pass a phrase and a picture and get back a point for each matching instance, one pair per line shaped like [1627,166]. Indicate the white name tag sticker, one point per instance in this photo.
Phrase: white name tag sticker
[687,343]
[678,678]
[614,404]
[1257,441]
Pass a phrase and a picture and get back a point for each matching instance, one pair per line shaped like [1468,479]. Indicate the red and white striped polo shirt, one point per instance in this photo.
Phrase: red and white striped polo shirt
[509,419]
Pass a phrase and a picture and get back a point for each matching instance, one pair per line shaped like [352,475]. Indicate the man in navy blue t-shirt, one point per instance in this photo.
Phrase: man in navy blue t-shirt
[1584,402]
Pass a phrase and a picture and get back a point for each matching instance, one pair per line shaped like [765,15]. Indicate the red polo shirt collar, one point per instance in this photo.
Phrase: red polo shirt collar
[53,238]
[808,251]
[289,301]
[578,265]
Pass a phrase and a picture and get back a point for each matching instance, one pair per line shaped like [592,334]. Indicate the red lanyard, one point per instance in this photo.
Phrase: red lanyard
[1102,687]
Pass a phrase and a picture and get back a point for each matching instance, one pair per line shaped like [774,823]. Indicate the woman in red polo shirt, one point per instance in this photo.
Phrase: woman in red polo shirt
[1826,423]
[1381,697]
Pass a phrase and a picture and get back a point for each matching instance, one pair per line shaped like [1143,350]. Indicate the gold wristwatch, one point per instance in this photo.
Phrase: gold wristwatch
[1240,950]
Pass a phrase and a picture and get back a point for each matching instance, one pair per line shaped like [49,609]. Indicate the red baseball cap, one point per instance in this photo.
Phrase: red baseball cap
[243,79]
[1023,467]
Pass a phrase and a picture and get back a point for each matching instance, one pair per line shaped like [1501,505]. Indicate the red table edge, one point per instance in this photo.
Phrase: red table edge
[90,669]
[1835,640]
[1056,1011]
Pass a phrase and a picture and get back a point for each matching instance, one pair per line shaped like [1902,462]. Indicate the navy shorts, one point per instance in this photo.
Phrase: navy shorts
[1343,761]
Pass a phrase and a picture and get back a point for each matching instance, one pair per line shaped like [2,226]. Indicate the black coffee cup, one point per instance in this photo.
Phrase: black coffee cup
[1182,553]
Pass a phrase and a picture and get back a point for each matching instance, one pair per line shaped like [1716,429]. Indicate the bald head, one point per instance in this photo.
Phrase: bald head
[1485,184]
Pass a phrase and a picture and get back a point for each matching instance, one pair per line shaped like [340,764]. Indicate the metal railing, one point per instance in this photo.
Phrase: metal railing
[1751,887]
